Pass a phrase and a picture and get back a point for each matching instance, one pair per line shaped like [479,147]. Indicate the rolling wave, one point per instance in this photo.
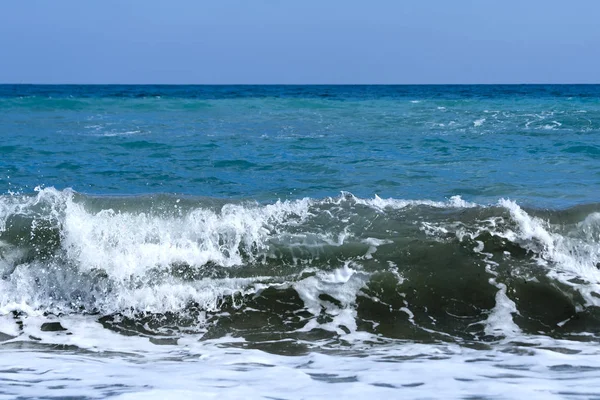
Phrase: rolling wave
[306,269]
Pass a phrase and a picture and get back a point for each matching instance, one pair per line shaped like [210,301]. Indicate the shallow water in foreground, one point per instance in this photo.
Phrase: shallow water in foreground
[133,368]
[299,242]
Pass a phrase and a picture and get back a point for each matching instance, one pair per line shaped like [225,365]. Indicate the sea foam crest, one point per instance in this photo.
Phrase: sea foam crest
[108,260]
[111,261]
[381,204]
[569,254]
[568,258]
[128,243]
[125,243]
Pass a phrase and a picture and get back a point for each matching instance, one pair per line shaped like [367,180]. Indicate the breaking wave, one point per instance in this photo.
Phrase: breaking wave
[309,269]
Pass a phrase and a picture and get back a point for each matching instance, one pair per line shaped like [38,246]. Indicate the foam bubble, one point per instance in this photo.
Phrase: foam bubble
[478,122]
[342,284]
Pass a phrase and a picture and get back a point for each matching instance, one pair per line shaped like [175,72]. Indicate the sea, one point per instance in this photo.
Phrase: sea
[299,242]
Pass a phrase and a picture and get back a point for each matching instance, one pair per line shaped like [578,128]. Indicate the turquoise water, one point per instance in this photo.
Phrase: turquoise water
[535,144]
[299,241]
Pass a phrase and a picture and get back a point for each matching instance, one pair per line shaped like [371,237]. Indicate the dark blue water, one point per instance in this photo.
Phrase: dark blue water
[535,144]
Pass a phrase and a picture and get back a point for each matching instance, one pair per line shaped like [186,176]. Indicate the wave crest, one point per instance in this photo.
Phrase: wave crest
[343,265]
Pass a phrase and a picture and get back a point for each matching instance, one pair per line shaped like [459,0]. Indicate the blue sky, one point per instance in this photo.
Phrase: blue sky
[308,41]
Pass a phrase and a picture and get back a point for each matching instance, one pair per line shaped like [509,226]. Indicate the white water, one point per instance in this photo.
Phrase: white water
[109,364]
[126,249]
[566,257]
[90,361]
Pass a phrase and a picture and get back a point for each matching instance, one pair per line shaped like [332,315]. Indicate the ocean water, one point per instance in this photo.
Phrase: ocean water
[291,242]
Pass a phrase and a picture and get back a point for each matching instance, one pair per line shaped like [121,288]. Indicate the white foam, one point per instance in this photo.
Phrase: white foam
[381,204]
[373,245]
[566,258]
[124,250]
[110,260]
[127,249]
[500,320]
[124,133]
[478,122]
[125,243]
[570,258]
[590,227]
[212,370]
[343,284]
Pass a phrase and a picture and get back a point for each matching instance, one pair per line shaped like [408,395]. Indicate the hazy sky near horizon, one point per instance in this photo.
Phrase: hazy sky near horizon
[308,41]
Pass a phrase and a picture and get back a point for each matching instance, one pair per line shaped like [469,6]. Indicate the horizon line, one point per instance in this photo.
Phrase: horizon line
[296,84]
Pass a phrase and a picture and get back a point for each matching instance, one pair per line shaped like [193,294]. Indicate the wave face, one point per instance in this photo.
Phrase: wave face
[309,269]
